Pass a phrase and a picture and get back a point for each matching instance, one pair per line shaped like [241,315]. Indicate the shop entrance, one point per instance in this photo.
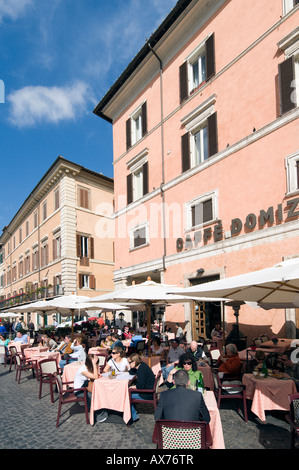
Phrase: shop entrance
[204,315]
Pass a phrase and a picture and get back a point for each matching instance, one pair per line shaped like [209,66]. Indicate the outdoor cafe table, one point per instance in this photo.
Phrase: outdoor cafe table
[282,345]
[19,345]
[39,356]
[111,394]
[29,352]
[215,423]
[268,393]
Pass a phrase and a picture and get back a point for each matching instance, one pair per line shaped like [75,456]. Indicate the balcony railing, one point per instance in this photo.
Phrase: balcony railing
[40,293]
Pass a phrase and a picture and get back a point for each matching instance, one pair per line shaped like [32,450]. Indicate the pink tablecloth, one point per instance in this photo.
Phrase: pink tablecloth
[267,394]
[98,350]
[29,352]
[69,371]
[112,394]
[39,356]
[19,346]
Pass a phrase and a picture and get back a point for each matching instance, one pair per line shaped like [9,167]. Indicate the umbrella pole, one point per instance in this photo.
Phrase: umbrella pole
[44,326]
[72,310]
[148,318]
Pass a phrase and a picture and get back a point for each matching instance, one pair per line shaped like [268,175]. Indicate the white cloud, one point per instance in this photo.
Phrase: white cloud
[13,8]
[32,105]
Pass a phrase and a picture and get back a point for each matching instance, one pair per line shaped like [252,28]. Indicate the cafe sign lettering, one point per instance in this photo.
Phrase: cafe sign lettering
[251,222]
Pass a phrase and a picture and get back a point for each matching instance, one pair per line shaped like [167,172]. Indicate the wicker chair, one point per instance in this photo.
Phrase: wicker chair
[293,418]
[182,435]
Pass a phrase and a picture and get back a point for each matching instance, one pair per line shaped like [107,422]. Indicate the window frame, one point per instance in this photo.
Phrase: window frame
[211,195]
[288,5]
[143,226]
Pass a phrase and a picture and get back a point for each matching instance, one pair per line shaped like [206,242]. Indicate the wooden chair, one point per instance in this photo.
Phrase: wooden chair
[140,347]
[21,365]
[47,370]
[214,355]
[230,387]
[153,392]
[12,356]
[293,418]
[182,435]
[68,396]
[102,360]
[264,338]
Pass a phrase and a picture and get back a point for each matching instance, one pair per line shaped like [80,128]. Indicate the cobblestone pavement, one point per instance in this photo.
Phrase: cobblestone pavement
[30,423]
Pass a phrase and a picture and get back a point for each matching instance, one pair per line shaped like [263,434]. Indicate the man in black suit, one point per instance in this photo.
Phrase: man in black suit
[181,403]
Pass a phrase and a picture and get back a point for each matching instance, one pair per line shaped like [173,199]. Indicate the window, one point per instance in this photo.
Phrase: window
[288,5]
[139,236]
[292,168]
[137,182]
[85,246]
[136,125]
[201,210]
[21,268]
[288,72]
[27,263]
[198,67]
[44,255]
[20,235]
[44,210]
[27,228]
[84,198]
[87,281]
[35,219]
[56,199]
[35,259]
[56,248]
[200,142]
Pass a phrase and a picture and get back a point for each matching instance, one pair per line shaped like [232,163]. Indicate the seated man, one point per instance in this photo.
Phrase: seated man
[230,363]
[173,357]
[181,403]
[22,338]
[65,347]
[196,350]
[117,341]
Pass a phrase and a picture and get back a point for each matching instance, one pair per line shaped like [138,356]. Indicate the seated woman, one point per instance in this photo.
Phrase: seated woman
[188,363]
[126,333]
[145,379]
[230,363]
[156,347]
[79,346]
[118,361]
[104,344]
[84,377]
[48,342]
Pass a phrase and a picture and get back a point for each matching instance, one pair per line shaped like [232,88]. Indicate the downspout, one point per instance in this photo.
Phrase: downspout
[162,155]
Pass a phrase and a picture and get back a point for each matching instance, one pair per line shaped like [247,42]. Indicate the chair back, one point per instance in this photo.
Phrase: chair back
[13,350]
[18,359]
[31,341]
[48,366]
[2,349]
[59,384]
[294,407]
[264,338]
[140,346]
[181,434]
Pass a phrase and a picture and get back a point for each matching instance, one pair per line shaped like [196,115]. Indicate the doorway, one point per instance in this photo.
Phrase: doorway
[204,315]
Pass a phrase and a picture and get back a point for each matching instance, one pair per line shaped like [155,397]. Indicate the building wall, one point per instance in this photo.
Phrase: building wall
[248,173]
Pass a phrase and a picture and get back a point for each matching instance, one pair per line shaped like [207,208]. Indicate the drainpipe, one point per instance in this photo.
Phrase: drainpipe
[162,154]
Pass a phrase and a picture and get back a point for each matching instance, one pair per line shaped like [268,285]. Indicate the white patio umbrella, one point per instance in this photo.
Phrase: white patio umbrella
[148,293]
[42,307]
[9,315]
[274,287]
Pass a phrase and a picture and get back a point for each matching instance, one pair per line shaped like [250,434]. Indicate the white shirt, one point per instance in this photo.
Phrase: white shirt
[79,377]
[79,352]
[121,366]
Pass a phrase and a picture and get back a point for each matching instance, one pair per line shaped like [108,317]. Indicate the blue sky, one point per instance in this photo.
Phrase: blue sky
[57,60]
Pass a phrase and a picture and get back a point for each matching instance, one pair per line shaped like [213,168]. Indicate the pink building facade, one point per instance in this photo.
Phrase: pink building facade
[206,151]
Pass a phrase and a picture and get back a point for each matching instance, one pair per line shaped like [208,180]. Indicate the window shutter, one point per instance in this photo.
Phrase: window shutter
[212,135]
[183,81]
[128,133]
[54,249]
[297,168]
[92,282]
[210,57]
[78,243]
[286,76]
[145,178]
[129,188]
[80,281]
[185,142]
[144,119]
[91,254]
[207,210]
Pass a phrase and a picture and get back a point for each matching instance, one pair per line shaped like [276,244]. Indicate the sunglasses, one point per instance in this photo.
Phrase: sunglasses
[130,362]
[114,352]
[187,363]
